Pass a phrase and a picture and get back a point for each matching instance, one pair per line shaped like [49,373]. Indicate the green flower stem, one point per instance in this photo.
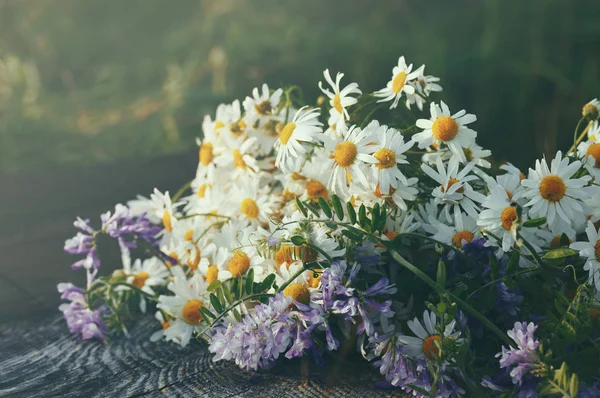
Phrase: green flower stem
[578,139]
[181,191]
[232,306]
[297,274]
[396,256]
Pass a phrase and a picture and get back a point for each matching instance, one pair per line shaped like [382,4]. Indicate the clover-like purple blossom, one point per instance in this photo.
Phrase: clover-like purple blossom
[524,357]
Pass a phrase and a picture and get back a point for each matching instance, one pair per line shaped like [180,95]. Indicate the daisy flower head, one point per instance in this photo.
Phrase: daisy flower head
[304,128]
[401,75]
[164,209]
[339,100]
[593,132]
[388,153]
[500,216]
[165,322]
[189,296]
[217,267]
[591,110]
[424,345]
[239,157]
[262,106]
[589,153]
[253,203]
[348,158]
[147,274]
[463,230]
[455,192]
[444,128]
[424,86]
[591,251]
[193,244]
[551,191]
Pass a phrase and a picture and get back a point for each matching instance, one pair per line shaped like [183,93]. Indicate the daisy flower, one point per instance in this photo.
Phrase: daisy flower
[594,132]
[424,345]
[591,251]
[591,109]
[164,209]
[454,191]
[253,203]
[145,275]
[442,128]
[424,86]
[552,193]
[216,268]
[239,157]
[464,230]
[500,216]
[304,128]
[165,322]
[262,106]
[339,101]
[302,286]
[193,245]
[401,75]
[348,157]
[388,153]
[184,306]
[589,152]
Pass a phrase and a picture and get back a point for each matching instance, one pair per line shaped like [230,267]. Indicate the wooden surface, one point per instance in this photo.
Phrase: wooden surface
[38,357]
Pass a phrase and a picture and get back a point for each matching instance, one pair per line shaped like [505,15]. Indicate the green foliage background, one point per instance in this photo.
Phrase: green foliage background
[90,81]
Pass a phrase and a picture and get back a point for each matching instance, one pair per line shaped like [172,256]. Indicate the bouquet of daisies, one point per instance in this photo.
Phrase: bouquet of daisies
[373,220]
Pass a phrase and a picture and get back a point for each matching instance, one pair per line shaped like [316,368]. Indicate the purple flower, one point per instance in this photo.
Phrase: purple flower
[523,358]
[80,318]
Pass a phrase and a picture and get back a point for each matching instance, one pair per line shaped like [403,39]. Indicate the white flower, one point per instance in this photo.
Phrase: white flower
[552,193]
[262,106]
[590,250]
[193,245]
[239,157]
[145,275]
[217,268]
[500,216]
[454,191]
[304,128]
[464,230]
[347,159]
[401,75]
[589,152]
[253,203]
[424,345]
[594,131]
[339,100]
[442,128]
[388,153]
[424,86]
[164,209]
[165,323]
[184,306]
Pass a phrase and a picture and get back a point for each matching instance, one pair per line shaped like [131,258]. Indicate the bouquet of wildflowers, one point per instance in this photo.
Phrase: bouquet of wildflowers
[369,219]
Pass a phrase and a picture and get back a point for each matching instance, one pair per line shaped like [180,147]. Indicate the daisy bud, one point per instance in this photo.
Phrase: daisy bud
[320,100]
[590,111]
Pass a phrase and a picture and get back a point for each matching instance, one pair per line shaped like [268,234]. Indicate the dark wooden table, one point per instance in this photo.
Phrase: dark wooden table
[39,358]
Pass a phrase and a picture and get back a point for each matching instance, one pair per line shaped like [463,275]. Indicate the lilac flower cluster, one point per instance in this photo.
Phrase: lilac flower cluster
[524,358]
[80,318]
[411,375]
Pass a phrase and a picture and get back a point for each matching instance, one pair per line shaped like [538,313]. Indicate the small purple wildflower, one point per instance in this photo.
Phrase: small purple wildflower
[524,358]
[80,319]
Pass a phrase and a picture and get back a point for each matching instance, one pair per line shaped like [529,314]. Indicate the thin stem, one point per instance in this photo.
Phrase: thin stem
[396,256]
[536,256]
[526,271]
[296,274]
[580,138]
[181,191]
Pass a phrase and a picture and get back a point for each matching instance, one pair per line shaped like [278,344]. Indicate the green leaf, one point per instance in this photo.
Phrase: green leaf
[337,207]
[574,385]
[312,209]
[441,307]
[267,283]
[214,286]
[207,314]
[298,240]
[362,216]
[250,281]
[237,315]
[352,235]
[512,263]
[375,217]
[441,274]
[227,293]
[351,212]
[301,207]
[325,207]
[216,303]
[493,267]
[382,219]
[564,240]
[536,222]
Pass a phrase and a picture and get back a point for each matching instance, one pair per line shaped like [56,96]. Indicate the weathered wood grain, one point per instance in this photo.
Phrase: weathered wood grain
[40,359]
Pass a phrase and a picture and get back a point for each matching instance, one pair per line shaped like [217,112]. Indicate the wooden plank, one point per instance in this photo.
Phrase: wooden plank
[40,359]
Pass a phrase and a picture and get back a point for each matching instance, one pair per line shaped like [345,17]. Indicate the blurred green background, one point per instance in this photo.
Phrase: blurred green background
[95,81]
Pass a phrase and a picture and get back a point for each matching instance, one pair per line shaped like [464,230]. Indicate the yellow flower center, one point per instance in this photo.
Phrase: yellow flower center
[287,132]
[166,219]
[398,82]
[337,103]
[314,278]
[594,151]
[193,261]
[451,182]
[521,176]
[444,128]
[386,158]
[249,208]
[219,124]
[238,160]
[380,195]
[264,108]
[508,217]
[298,292]
[188,235]
[315,189]
[206,153]
[212,273]
[552,188]
[345,153]
[202,190]
[509,194]
[429,348]
[288,254]
[191,312]
[139,279]
[460,236]
[239,263]
[237,128]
